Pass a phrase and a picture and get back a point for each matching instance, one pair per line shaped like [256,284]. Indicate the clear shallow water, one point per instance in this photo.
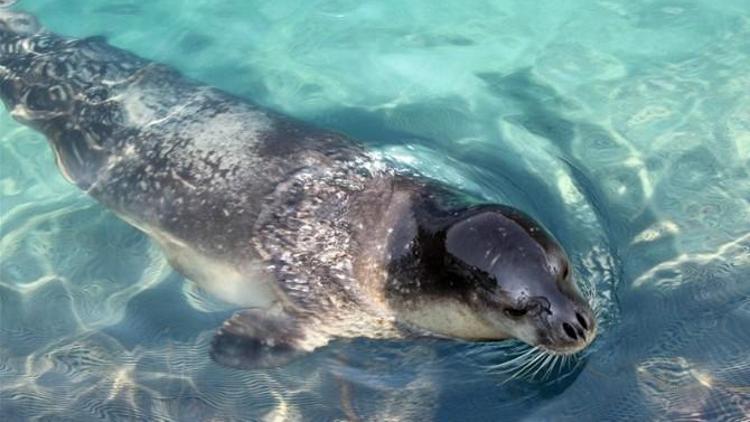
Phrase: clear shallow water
[624,127]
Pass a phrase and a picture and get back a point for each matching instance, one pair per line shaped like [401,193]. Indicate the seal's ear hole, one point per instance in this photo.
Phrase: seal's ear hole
[515,313]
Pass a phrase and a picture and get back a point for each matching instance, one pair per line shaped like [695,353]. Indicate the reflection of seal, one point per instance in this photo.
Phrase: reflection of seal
[318,238]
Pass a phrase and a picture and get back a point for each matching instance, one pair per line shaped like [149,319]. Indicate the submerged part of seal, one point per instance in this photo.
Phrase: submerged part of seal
[317,236]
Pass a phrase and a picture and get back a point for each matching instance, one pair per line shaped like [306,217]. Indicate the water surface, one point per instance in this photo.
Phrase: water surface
[623,126]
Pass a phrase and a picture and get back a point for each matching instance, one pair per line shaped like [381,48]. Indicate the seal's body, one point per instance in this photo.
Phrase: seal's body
[316,236]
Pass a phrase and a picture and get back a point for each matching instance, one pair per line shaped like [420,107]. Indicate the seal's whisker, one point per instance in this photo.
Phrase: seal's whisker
[544,364]
[516,360]
[578,362]
[531,374]
[550,370]
[518,347]
[528,359]
[526,369]
[538,363]
[516,363]
[552,366]
[555,366]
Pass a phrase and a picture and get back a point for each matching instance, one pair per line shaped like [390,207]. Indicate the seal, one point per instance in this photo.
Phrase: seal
[311,234]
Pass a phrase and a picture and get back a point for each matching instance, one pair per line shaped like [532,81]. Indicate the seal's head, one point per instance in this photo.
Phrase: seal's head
[487,273]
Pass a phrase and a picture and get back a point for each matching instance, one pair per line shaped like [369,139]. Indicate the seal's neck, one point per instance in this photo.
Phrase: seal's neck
[416,245]
[419,287]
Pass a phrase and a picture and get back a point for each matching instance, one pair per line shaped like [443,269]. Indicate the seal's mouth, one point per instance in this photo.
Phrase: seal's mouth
[564,329]
[544,359]
[561,333]
[567,350]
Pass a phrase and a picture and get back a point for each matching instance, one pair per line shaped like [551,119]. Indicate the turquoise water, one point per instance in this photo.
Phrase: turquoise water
[623,126]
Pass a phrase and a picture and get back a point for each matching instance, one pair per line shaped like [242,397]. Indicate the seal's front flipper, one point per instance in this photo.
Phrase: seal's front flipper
[253,339]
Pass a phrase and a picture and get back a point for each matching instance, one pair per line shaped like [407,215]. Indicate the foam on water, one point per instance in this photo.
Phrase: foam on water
[623,126]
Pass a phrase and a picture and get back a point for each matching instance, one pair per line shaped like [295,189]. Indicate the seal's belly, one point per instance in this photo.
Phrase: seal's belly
[244,284]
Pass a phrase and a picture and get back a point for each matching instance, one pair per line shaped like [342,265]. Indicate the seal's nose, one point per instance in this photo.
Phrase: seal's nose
[577,328]
[572,324]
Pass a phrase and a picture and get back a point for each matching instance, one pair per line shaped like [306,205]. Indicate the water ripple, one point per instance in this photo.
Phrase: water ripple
[622,126]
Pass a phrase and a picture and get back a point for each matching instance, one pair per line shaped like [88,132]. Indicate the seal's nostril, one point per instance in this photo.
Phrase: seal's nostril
[569,331]
[582,321]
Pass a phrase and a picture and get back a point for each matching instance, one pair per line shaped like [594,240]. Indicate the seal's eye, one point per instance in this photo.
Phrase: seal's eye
[565,272]
[515,313]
